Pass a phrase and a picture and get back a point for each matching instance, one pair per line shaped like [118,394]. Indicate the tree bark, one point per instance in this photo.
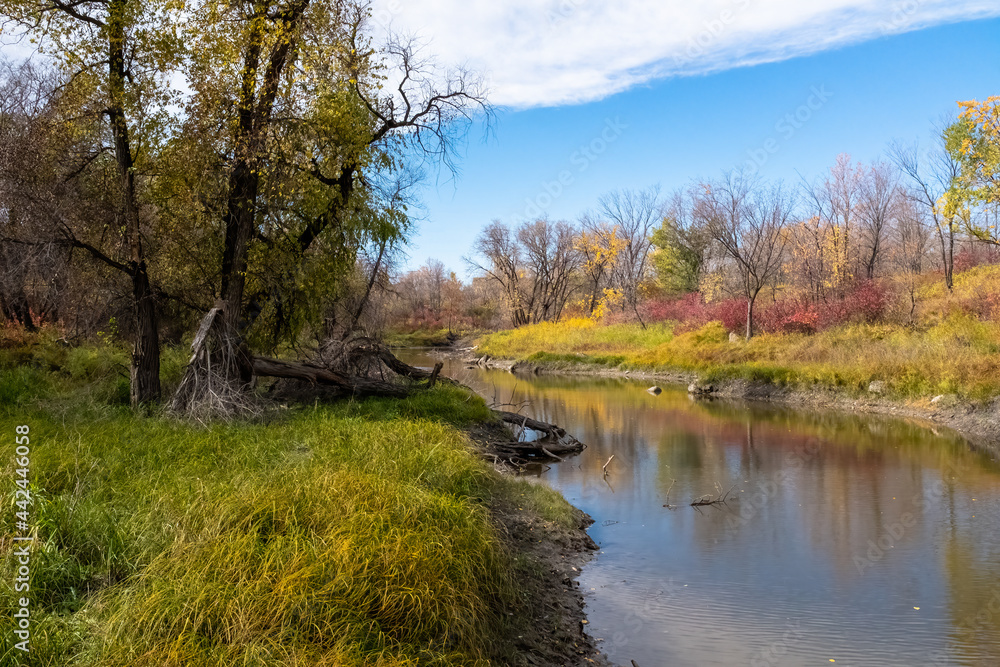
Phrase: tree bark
[145,371]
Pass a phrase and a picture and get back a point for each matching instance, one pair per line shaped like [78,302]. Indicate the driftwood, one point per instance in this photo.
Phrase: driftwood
[554,444]
[606,463]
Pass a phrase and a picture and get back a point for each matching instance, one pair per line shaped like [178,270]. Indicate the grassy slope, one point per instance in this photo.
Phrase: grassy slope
[948,352]
[355,534]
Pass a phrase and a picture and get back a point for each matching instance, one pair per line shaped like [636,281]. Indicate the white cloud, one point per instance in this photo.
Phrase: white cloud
[553,52]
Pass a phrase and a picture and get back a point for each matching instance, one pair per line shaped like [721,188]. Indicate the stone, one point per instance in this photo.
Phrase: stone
[733,338]
[876,387]
[945,400]
[654,390]
[696,388]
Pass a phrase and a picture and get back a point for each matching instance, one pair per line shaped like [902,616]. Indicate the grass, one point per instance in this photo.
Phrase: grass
[351,534]
[577,339]
[957,353]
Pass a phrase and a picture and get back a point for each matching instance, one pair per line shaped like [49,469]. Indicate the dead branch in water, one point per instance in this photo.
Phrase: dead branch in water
[720,499]
[605,466]
[667,497]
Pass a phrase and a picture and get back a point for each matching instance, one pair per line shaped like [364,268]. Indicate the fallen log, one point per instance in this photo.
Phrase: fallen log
[356,386]
[527,422]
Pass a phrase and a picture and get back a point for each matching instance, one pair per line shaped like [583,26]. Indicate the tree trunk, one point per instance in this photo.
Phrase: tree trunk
[145,371]
[254,109]
[949,265]
[750,316]
[145,368]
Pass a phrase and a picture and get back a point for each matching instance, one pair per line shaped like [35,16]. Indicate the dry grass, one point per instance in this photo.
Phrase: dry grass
[951,353]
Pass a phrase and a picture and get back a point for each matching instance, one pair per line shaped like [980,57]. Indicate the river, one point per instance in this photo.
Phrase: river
[845,539]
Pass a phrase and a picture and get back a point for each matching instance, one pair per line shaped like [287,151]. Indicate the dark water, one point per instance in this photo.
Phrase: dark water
[856,539]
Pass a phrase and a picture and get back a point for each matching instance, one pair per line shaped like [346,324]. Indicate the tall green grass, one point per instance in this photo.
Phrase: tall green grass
[354,534]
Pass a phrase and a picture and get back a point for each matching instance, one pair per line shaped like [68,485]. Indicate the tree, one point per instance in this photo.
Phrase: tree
[749,222]
[973,143]
[599,245]
[908,252]
[319,156]
[551,262]
[931,177]
[680,246]
[112,58]
[634,214]
[498,246]
[877,204]
[836,201]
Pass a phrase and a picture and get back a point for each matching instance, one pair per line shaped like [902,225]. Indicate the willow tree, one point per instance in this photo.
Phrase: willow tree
[114,59]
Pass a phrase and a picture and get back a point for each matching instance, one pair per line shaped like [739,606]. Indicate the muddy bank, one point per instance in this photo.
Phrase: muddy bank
[978,422]
[554,636]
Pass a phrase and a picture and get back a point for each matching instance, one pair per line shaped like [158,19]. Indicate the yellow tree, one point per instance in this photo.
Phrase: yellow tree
[599,247]
[973,141]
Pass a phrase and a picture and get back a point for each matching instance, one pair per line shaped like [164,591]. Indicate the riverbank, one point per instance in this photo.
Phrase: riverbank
[945,374]
[355,533]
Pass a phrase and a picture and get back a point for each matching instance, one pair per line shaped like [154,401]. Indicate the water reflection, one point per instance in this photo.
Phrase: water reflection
[864,540]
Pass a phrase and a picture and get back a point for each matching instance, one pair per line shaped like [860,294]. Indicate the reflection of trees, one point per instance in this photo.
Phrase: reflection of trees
[971,563]
[855,478]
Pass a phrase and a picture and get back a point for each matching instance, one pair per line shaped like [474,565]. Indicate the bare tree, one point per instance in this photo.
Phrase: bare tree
[931,177]
[908,252]
[634,213]
[748,221]
[551,261]
[878,199]
[497,245]
[836,201]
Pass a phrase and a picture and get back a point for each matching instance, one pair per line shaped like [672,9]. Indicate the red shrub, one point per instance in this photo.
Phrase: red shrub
[732,313]
[688,310]
[788,316]
[976,255]
[867,302]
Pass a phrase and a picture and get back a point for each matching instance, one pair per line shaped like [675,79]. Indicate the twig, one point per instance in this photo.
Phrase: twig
[605,466]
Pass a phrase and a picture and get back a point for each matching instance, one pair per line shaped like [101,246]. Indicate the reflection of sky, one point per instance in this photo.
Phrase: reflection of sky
[810,559]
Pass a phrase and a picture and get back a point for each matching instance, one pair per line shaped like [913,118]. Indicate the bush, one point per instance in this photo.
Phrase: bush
[732,313]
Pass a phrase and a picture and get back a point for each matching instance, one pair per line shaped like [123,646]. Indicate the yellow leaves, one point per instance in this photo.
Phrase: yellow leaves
[611,298]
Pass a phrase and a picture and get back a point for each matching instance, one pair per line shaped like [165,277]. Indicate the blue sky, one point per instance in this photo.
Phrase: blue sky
[787,104]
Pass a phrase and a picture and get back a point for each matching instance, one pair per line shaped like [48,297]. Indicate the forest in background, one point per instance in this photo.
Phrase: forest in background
[864,243]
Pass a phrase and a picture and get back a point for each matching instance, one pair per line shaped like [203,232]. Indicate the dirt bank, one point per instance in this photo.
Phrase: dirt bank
[554,636]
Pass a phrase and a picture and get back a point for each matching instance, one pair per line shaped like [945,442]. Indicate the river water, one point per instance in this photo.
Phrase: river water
[845,539]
